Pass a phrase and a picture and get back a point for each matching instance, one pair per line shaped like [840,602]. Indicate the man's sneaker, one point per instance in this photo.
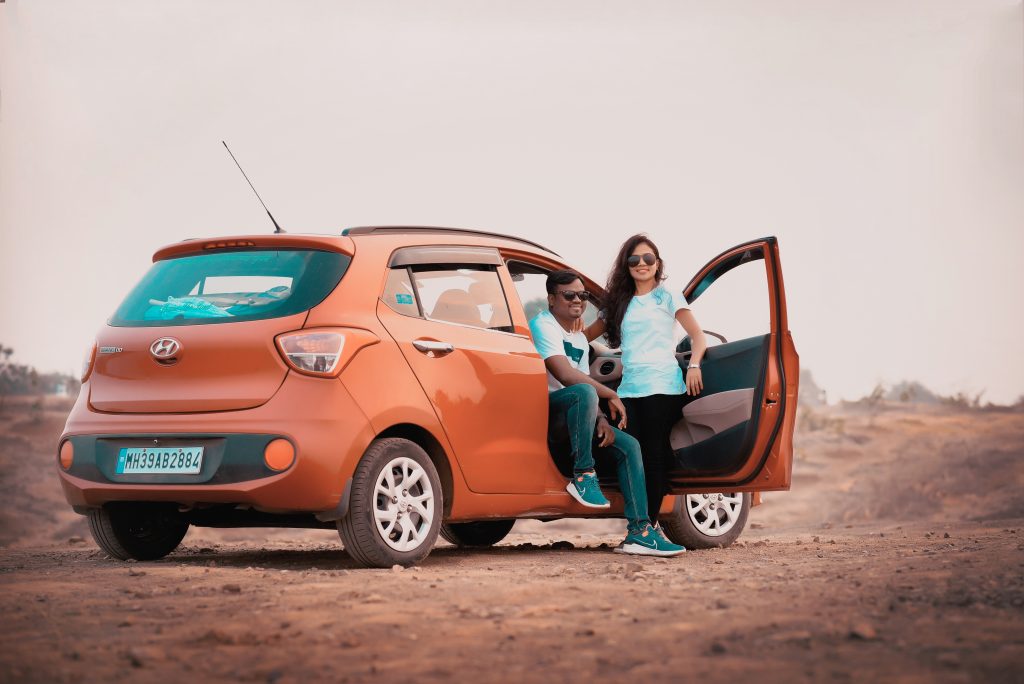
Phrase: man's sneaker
[585,489]
[649,542]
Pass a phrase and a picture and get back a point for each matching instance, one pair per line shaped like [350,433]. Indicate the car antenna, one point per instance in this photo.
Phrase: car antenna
[277,228]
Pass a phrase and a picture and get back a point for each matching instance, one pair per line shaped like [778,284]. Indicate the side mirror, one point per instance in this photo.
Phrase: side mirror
[686,344]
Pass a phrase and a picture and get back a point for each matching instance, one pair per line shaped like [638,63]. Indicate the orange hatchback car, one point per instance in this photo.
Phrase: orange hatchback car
[384,382]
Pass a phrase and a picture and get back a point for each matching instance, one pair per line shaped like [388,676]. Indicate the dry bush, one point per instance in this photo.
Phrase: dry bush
[809,420]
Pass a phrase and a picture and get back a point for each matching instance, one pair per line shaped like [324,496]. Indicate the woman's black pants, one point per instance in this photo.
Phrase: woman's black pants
[650,420]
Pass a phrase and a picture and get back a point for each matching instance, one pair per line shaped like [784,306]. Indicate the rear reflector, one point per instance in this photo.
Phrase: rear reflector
[323,352]
[279,454]
[67,455]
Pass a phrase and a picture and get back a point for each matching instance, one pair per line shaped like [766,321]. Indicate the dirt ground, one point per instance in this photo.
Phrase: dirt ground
[897,556]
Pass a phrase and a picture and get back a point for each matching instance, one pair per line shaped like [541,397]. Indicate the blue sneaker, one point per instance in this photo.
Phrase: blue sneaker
[585,489]
[649,542]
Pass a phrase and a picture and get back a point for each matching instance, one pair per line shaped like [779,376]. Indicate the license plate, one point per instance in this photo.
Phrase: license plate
[160,460]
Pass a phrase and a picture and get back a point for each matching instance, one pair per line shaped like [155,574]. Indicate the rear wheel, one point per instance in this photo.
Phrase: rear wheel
[395,511]
[705,521]
[481,533]
[143,531]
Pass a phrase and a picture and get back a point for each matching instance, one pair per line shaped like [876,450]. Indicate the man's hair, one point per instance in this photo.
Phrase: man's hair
[556,278]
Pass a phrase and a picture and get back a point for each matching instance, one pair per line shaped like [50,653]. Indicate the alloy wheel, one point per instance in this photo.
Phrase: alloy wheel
[714,514]
[404,504]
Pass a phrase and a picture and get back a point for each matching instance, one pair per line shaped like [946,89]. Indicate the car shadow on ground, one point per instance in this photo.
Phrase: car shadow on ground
[335,558]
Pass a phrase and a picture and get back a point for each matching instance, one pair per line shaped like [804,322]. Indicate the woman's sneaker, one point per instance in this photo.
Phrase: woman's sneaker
[649,542]
[585,489]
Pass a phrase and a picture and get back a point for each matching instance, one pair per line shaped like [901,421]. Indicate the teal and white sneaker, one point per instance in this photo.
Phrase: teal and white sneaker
[649,542]
[585,489]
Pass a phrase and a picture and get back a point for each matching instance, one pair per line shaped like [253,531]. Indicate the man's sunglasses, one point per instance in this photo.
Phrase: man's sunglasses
[570,295]
[634,260]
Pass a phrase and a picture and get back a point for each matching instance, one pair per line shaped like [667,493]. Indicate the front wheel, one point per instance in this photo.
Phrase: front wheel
[706,521]
[143,531]
[396,506]
[481,533]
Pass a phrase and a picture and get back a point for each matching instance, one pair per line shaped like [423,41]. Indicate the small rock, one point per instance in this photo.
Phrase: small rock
[75,540]
[231,589]
[863,631]
[945,535]
[817,540]
[719,562]
[396,568]
[717,648]
[586,632]
[142,655]
[563,546]
[132,572]
[216,636]
[721,605]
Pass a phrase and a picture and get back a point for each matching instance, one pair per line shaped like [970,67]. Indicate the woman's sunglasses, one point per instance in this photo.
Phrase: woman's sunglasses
[570,295]
[634,260]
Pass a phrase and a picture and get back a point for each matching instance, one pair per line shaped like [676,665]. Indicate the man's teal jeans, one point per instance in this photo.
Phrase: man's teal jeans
[576,408]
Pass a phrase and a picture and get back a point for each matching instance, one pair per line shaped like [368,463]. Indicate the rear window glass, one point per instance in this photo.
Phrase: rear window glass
[222,287]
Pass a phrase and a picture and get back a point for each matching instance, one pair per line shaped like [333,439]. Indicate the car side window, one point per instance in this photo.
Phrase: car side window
[466,295]
[398,293]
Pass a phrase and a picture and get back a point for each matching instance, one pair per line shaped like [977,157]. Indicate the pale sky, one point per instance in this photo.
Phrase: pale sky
[882,142]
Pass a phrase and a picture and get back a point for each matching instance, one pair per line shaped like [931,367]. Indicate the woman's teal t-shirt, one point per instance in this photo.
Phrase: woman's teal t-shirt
[649,363]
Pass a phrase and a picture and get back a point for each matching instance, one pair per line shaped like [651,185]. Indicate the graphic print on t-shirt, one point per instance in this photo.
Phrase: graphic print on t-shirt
[572,352]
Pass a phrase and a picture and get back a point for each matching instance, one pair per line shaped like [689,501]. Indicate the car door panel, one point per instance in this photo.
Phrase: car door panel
[488,387]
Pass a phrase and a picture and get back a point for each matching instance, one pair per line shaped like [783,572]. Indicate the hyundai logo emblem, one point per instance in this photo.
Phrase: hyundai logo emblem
[165,349]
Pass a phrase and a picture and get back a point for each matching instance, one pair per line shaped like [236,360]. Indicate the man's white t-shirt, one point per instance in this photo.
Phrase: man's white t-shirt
[551,339]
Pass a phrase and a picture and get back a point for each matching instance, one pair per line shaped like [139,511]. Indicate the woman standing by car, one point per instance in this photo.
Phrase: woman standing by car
[639,316]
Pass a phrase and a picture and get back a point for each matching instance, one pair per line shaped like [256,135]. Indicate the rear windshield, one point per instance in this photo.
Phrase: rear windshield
[226,286]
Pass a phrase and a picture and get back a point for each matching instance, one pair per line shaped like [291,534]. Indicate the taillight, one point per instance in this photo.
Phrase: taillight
[88,361]
[323,352]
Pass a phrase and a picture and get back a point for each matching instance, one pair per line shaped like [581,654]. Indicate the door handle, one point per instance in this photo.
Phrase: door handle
[432,347]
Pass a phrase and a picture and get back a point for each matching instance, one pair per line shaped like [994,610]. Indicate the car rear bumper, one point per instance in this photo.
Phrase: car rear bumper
[318,416]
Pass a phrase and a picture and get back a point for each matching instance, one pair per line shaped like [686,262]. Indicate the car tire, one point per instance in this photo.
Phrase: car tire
[140,531]
[692,521]
[477,534]
[387,523]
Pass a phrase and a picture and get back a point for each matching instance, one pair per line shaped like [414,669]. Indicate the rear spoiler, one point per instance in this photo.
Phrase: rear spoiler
[326,243]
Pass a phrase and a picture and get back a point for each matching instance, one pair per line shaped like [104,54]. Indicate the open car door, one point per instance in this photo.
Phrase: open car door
[737,435]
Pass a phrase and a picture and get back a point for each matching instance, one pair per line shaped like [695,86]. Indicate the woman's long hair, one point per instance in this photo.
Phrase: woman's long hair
[621,287]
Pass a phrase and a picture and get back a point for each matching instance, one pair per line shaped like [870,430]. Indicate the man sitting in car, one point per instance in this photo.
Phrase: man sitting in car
[574,399]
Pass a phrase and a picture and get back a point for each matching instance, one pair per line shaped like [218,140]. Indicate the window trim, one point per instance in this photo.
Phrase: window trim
[411,271]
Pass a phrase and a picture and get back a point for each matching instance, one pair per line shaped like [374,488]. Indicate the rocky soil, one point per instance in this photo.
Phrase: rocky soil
[898,556]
